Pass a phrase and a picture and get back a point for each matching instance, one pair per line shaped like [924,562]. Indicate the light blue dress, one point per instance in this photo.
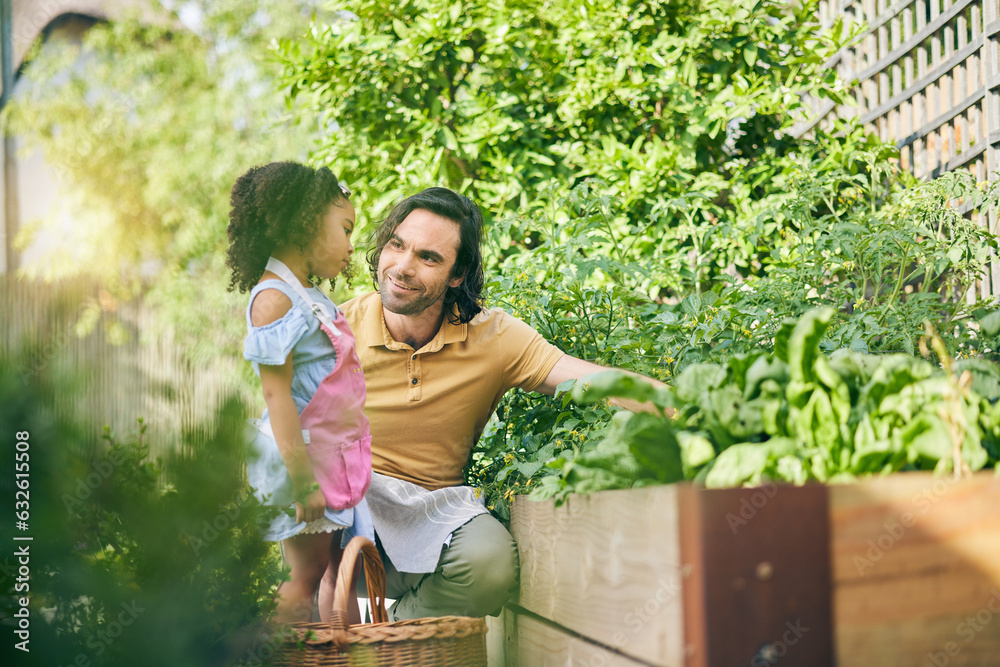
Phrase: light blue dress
[313,358]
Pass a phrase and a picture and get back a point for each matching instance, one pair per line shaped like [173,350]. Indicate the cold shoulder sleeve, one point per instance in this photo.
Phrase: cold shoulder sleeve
[271,343]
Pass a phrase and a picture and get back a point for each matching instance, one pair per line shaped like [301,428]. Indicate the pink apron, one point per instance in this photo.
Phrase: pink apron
[334,425]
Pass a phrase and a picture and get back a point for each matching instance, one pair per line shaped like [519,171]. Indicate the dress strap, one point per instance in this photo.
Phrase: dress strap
[277,267]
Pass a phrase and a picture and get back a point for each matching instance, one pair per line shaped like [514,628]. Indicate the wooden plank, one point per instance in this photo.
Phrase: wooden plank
[925,81]
[912,566]
[496,639]
[922,60]
[916,572]
[982,219]
[991,121]
[929,30]
[870,41]
[536,643]
[889,14]
[993,80]
[883,74]
[757,589]
[948,85]
[940,121]
[606,566]
[959,161]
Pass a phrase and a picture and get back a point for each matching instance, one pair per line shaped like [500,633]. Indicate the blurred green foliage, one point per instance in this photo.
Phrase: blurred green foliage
[132,560]
[146,126]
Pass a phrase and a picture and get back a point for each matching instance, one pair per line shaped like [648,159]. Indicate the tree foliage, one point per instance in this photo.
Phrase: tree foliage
[147,125]
[503,99]
[651,206]
[670,105]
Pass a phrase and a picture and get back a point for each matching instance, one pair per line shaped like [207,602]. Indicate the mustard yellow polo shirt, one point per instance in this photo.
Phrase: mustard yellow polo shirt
[427,407]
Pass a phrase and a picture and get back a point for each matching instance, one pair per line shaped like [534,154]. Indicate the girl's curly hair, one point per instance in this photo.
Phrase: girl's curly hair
[273,206]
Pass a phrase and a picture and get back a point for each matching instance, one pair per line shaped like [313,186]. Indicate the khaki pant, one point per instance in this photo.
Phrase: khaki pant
[475,576]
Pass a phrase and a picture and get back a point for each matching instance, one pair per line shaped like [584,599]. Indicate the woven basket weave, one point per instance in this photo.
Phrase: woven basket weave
[423,642]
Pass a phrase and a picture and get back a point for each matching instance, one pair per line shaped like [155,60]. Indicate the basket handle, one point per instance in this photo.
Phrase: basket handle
[374,579]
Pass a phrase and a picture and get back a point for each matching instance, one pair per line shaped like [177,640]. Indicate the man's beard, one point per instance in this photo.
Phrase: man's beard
[418,302]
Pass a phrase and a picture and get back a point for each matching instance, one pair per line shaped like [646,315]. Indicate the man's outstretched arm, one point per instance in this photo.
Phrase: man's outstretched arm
[571,368]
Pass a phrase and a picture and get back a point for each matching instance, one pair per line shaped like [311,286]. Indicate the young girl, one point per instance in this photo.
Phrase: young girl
[313,449]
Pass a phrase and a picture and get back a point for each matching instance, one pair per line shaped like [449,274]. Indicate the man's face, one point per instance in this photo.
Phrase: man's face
[414,269]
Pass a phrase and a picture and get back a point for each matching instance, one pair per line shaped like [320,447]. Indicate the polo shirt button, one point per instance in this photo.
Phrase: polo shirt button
[414,381]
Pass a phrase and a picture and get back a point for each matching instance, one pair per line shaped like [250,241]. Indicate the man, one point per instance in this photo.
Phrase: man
[436,365]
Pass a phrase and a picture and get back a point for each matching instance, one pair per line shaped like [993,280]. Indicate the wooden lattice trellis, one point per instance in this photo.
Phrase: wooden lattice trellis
[928,79]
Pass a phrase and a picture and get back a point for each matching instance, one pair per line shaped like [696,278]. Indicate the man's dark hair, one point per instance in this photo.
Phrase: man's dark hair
[461,210]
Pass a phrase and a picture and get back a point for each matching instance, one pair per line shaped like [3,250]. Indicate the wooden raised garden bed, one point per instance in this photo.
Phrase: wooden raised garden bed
[902,570]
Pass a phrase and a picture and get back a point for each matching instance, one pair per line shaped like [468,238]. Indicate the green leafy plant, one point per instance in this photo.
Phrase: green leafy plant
[852,232]
[794,414]
[886,256]
[133,560]
[527,432]
[577,297]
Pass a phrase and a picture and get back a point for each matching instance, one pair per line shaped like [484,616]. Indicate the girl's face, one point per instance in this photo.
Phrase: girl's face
[332,249]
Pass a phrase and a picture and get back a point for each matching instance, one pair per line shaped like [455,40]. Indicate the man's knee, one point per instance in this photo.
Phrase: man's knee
[494,568]
[483,554]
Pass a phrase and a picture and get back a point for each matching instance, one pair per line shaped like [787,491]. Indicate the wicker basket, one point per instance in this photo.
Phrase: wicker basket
[427,642]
